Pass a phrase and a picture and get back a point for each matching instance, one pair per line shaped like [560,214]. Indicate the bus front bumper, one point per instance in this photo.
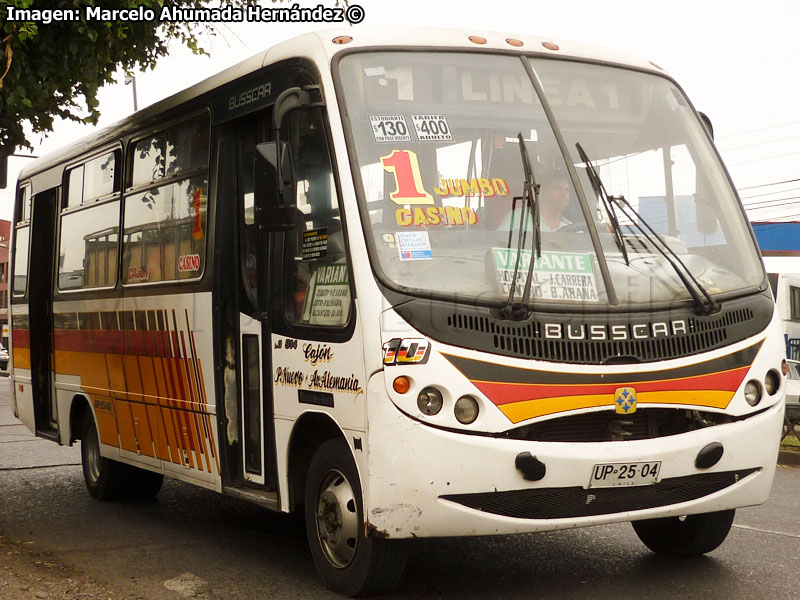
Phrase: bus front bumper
[426,482]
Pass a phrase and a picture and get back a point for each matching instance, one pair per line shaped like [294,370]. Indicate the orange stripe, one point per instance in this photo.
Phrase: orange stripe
[530,409]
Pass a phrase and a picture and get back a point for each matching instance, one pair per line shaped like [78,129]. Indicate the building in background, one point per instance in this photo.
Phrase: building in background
[780,247]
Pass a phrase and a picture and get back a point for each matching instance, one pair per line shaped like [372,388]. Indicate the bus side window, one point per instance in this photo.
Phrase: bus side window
[317,281]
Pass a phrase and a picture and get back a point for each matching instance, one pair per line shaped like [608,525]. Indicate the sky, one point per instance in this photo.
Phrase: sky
[737,60]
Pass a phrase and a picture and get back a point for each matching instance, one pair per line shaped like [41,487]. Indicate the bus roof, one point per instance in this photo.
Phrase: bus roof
[320,47]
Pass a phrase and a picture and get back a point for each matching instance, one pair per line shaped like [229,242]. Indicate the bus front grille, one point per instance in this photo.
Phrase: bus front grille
[575,502]
[608,426]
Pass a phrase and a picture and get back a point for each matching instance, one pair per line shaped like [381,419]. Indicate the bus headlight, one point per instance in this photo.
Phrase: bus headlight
[752,392]
[466,410]
[430,401]
[772,382]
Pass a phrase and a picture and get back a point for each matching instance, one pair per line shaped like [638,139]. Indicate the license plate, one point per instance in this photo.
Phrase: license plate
[625,474]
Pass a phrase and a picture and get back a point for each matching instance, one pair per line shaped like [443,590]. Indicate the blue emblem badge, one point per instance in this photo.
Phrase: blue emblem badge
[625,400]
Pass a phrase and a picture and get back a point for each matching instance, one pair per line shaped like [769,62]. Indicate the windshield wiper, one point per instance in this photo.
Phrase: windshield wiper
[600,191]
[704,303]
[530,196]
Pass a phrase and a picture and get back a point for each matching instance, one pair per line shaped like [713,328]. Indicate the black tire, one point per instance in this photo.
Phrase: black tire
[349,562]
[105,479]
[691,535]
[144,484]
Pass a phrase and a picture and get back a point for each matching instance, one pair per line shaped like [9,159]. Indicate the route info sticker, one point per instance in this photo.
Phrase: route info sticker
[555,276]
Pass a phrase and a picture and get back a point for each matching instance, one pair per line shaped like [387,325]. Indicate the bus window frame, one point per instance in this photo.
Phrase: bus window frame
[26,224]
[105,199]
[83,161]
[128,191]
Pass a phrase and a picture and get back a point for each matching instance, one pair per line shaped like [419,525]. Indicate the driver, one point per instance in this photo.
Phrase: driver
[553,201]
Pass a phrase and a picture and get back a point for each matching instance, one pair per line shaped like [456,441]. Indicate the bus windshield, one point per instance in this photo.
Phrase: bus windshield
[437,139]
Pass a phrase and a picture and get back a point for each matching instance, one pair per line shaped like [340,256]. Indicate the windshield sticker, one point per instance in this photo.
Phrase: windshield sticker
[315,244]
[432,128]
[328,297]
[556,275]
[436,215]
[414,245]
[404,165]
[488,188]
[390,128]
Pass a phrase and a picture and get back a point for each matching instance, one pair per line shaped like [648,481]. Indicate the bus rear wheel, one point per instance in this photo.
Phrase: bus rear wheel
[349,562]
[108,479]
[691,535]
[104,478]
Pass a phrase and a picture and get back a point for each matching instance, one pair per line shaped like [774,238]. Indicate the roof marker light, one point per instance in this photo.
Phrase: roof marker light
[476,39]
[514,42]
[342,39]
[550,45]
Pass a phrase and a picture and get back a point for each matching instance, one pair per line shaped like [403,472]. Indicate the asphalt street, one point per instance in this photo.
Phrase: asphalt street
[193,543]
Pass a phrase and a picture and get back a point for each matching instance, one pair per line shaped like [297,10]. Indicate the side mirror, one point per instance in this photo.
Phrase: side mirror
[274,186]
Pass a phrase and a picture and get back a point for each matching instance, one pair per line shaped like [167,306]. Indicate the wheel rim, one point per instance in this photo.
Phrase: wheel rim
[337,519]
[91,455]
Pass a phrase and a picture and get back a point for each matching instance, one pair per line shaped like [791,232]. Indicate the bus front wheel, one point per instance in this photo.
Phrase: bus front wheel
[690,535]
[348,561]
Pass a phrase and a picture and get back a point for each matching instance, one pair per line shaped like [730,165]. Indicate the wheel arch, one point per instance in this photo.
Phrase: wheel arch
[310,431]
[80,409]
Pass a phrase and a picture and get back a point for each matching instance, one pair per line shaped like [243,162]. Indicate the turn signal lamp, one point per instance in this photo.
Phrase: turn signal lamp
[401,384]
[342,39]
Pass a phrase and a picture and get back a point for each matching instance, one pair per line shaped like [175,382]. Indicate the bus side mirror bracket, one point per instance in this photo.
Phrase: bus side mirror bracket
[274,186]
[294,98]
[707,122]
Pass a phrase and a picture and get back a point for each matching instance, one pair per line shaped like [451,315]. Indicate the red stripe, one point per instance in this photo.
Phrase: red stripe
[507,393]
[135,341]
[21,338]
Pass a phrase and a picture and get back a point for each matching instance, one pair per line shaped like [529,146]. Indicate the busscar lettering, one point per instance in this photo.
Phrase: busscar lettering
[598,333]
[246,97]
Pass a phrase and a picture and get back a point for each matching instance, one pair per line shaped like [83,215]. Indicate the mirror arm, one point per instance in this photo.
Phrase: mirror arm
[294,98]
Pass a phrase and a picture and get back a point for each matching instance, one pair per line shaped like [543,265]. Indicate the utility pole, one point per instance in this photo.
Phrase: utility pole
[132,81]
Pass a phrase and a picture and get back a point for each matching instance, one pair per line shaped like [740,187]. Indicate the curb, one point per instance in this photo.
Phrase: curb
[787,458]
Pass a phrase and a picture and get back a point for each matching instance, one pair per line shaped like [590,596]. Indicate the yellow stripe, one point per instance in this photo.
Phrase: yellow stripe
[529,409]
[22,358]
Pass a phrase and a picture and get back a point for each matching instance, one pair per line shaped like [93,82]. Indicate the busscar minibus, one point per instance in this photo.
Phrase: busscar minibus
[413,283]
